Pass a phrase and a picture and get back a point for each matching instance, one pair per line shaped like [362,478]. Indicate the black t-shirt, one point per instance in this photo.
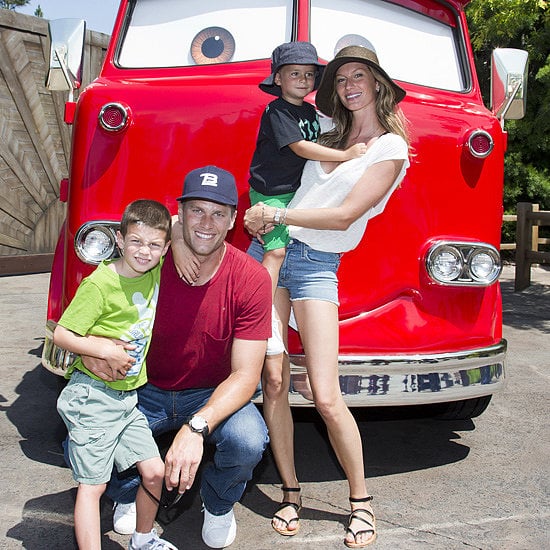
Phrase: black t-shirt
[275,169]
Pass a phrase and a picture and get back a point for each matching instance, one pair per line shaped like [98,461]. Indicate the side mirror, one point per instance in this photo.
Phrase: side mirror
[66,54]
[509,83]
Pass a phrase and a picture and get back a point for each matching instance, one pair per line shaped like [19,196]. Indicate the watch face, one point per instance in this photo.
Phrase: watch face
[198,424]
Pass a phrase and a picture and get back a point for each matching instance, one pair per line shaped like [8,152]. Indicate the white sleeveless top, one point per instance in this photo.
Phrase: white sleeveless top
[319,190]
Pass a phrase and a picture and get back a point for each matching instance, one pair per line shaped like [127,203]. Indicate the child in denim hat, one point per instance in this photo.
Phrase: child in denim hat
[289,128]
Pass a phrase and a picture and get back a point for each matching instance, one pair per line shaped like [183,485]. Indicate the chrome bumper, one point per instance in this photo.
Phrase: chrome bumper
[55,359]
[377,381]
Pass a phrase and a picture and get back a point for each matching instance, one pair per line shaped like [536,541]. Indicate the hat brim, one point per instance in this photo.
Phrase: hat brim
[211,197]
[268,84]
[323,99]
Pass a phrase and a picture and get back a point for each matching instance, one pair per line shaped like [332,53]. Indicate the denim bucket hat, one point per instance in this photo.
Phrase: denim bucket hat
[291,53]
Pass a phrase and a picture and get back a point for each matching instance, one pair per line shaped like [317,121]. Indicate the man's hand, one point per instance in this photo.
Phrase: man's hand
[105,371]
[183,460]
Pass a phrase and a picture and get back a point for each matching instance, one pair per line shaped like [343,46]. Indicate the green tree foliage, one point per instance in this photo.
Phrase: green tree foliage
[38,12]
[12,4]
[523,24]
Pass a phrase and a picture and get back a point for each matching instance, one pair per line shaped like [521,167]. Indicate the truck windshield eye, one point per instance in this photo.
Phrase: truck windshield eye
[212,45]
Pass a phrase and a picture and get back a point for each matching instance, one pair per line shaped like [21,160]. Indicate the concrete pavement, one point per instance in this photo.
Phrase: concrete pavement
[441,485]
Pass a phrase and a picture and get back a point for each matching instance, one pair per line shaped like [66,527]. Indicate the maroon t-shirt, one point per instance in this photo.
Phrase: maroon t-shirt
[195,325]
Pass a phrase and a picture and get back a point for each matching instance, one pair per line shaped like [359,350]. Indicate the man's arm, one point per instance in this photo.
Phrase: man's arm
[113,352]
[185,454]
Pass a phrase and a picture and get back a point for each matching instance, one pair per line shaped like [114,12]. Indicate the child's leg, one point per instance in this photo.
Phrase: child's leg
[152,476]
[86,516]
[272,261]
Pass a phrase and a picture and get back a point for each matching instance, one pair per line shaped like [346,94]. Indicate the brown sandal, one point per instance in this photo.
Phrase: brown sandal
[371,522]
[286,504]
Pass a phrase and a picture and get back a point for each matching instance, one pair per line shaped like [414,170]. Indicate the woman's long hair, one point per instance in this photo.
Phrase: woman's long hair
[389,115]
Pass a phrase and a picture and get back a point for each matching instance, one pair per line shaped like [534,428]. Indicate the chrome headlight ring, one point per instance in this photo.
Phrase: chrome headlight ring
[96,241]
[463,263]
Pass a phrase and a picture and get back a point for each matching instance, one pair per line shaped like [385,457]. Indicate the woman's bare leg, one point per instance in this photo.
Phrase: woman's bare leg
[318,322]
[278,416]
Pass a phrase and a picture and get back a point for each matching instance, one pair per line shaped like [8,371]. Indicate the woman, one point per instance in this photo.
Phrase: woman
[328,216]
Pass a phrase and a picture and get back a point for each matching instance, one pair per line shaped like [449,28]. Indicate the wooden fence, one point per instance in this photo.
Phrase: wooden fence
[529,219]
[34,142]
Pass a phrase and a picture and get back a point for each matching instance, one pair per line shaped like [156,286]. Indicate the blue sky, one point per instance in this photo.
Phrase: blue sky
[99,15]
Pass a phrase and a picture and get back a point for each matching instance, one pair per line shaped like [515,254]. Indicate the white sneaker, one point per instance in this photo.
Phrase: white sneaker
[219,531]
[153,543]
[275,344]
[124,518]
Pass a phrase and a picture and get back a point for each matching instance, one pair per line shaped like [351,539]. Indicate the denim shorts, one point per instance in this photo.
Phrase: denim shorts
[306,273]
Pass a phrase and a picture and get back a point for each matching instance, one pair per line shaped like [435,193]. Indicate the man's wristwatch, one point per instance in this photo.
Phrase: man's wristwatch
[199,425]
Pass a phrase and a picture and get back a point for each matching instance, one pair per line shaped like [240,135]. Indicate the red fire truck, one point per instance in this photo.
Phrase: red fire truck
[420,313]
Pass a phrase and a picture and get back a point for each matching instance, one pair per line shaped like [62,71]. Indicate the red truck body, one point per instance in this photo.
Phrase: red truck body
[405,337]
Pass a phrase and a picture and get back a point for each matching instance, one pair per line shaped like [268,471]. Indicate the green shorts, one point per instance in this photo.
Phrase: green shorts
[279,237]
[105,429]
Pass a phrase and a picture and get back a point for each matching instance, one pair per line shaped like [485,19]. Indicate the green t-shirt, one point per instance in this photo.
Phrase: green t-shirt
[106,304]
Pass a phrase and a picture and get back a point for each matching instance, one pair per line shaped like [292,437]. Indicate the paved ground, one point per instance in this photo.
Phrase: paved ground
[438,485]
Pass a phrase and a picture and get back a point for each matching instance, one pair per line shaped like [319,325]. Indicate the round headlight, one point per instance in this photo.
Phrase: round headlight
[445,264]
[93,244]
[485,266]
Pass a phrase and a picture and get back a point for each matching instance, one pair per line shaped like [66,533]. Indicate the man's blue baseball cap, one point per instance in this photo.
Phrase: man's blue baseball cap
[210,183]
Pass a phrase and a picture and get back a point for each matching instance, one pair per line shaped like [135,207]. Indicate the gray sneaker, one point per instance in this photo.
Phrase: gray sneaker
[154,543]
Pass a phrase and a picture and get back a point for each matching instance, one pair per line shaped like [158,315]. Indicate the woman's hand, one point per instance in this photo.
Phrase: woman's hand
[256,220]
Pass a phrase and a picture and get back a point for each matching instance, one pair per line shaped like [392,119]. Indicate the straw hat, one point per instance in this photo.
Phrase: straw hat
[350,54]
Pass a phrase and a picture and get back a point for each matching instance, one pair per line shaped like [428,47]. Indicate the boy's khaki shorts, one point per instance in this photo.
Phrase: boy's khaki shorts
[105,429]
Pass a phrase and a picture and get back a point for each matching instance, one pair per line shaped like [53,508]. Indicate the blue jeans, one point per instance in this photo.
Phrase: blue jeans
[240,441]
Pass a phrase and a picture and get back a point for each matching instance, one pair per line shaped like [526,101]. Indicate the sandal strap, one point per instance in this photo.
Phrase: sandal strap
[364,499]
[354,515]
[285,504]
[370,523]
[291,489]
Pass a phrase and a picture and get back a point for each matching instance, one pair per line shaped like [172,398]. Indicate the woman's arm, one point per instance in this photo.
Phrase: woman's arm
[366,193]
[314,151]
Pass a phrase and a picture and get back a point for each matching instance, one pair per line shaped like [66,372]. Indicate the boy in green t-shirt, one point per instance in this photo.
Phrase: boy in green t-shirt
[111,317]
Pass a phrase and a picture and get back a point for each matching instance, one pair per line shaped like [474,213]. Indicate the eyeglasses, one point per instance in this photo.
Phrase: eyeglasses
[166,500]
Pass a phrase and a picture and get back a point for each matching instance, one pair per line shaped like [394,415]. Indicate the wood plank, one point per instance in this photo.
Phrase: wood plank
[24,264]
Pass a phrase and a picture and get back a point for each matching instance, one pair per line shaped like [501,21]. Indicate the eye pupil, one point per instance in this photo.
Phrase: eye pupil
[212,47]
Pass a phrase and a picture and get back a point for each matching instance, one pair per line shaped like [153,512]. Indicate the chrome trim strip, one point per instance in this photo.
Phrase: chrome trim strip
[377,381]
[384,380]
